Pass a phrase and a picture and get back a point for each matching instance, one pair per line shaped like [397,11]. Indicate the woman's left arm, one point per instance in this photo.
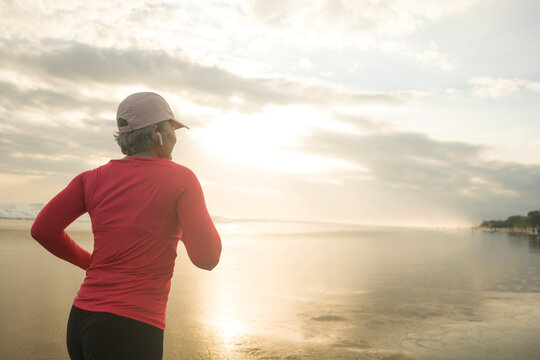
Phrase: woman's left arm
[50,224]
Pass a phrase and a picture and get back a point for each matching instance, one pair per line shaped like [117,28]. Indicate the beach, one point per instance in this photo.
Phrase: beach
[306,291]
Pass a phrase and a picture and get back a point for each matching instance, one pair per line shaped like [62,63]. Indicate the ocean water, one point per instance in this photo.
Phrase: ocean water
[306,291]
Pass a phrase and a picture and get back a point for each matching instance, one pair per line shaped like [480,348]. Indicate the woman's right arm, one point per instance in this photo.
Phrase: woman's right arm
[50,224]
[200,237]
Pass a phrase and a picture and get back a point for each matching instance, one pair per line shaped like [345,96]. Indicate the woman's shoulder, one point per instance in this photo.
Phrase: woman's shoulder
[161,167]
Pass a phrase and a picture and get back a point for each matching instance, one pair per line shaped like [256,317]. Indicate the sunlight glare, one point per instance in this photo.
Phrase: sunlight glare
[270,140]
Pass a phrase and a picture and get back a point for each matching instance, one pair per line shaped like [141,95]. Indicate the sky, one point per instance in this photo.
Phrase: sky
[396,112]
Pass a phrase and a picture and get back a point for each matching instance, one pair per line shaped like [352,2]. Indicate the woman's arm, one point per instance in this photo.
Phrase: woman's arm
[200,236]
[62,210]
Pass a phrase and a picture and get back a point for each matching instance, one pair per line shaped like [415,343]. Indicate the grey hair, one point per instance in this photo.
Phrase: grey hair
[142,139]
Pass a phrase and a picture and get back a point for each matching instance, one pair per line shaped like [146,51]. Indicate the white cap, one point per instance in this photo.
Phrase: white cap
[142,109]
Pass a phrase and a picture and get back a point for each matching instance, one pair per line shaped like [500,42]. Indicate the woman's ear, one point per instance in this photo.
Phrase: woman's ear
[157,135]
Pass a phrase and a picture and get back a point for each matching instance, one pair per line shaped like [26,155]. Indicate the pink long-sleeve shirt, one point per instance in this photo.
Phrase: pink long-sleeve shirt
[140,208]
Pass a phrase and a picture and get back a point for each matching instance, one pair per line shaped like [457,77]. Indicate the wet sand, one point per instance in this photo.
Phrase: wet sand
[311,293]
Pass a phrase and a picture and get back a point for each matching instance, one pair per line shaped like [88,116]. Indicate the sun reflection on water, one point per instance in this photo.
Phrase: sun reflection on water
[228,328]
[228,309]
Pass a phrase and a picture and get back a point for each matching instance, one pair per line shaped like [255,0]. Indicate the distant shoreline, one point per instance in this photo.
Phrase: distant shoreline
[529,231]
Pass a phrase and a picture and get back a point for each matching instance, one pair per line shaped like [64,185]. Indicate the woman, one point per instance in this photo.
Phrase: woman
[140,206]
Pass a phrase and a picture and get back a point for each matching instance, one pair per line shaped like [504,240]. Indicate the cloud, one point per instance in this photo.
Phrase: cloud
[58,101]
[49,102]
[405,165]
[359,24]
[398,162]
[231,34]
[214,24]
[74,63]
[498,87]
[50,121]
[345,20]
[430,56]
[51,146]
[399,158]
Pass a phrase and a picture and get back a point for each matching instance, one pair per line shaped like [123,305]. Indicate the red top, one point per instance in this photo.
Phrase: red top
[140,208]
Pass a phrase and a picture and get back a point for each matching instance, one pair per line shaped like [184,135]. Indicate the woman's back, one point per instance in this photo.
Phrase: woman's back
[133,206]
[140,208]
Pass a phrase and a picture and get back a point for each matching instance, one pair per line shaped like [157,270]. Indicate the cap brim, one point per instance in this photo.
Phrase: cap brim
[178,125]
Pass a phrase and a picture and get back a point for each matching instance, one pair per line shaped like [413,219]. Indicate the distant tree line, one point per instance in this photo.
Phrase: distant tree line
[532,220]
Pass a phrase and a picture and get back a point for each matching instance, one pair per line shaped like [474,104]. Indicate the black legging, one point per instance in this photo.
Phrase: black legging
[103,336]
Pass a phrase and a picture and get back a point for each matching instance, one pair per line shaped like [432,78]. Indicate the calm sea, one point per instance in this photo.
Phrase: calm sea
[306,291]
